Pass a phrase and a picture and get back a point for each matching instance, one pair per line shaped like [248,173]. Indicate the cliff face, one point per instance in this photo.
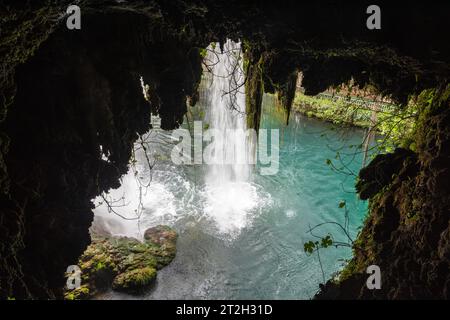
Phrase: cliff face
[72,96]
[407,231]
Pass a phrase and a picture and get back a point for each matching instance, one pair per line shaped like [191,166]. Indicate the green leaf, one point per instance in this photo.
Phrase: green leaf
[326,242]
[203,52]
[309,247]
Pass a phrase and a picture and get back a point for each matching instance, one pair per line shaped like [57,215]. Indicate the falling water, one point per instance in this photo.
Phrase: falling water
[226,101]
[231,197]
[223,199]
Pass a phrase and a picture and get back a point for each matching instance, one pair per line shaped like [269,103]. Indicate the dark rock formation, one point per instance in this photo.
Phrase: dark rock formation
[79,96]
[66,93]
[407,231]
[380,172]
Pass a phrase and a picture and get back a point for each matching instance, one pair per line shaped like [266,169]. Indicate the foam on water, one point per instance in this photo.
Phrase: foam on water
[233,206]
[157,203]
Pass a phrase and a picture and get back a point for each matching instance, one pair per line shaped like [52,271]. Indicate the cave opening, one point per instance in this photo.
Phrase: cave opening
[85,110]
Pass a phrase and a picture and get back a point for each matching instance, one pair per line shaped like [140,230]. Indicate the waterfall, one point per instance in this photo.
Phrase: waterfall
[226,199]
[226,115]
[231,197]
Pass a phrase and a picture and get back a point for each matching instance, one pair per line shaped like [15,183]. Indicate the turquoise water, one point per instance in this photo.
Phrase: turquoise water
[259,255]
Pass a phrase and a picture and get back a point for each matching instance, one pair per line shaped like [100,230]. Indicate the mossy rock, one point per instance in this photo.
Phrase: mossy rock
[80,293]
[134,281]
[161,235]
[124,263]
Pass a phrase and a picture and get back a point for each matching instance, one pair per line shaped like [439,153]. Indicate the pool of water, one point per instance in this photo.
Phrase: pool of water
[255,248]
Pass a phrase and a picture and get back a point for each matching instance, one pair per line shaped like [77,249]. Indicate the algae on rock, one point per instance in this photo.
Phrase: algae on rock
[123,263]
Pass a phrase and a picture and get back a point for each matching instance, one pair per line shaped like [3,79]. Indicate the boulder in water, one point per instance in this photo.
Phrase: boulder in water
[123,263]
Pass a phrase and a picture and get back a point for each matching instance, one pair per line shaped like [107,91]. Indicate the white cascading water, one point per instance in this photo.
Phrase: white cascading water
[230,197]
[226,115]
[228,201]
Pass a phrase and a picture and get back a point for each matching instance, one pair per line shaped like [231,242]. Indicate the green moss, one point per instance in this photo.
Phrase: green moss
[431,103]
[100,265]
[253,89]
[80,293]
[135,280]
[349,269]
[125,263]
[286,93]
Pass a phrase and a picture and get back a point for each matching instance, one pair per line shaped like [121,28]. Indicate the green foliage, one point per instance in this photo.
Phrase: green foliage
[312,246]
[338,112]
[397,129]
[394,127]
[203,52]
[326,241]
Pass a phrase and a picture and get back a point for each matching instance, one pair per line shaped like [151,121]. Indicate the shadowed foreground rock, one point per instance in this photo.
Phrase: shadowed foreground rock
[125,264]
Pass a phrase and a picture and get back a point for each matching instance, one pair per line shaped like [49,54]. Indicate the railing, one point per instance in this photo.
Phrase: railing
[364,102]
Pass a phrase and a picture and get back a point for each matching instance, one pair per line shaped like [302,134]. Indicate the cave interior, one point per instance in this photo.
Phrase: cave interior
[68,92]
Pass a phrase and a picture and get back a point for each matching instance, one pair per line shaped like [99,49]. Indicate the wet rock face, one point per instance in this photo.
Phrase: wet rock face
[124,264]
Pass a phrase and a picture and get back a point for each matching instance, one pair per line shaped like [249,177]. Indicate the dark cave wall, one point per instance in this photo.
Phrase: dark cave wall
[81,89]
[21,33]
